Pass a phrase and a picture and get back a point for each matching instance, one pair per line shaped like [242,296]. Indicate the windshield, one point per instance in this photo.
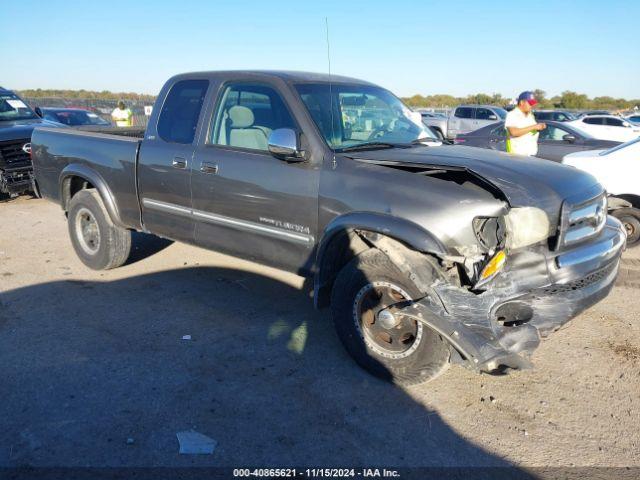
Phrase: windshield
[583,133]
[75,117]
[620,147]
[362,115]
[502,113]
[13,108]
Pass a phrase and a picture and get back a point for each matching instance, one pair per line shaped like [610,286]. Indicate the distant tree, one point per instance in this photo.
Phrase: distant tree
[479,98]
[543,101]
[570,99]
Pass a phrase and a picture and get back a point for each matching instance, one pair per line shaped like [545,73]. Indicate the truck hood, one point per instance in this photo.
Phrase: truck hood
[524,181]
[20,129]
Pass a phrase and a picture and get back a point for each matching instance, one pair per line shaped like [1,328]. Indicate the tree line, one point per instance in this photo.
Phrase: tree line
[568,99]
[86,94]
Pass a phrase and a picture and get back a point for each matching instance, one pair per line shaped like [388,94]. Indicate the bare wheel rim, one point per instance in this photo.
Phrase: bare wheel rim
[630,228]
[87,231]
[383,329]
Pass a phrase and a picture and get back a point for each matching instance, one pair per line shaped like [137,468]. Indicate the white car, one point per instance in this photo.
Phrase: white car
[618,170]
[607,127]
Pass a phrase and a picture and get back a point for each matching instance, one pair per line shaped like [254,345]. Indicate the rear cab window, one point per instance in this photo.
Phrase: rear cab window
[464,112]
[181,109]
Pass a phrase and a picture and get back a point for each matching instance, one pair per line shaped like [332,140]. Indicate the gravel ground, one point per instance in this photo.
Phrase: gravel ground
[94,370]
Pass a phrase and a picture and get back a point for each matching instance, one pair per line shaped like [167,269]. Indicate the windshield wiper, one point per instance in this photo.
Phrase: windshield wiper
[425,139]
[372,146]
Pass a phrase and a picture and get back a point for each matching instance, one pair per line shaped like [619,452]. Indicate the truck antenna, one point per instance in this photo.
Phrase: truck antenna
[333,133]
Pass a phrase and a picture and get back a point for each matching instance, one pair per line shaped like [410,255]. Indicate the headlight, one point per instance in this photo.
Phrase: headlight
[490,231]
[526,226]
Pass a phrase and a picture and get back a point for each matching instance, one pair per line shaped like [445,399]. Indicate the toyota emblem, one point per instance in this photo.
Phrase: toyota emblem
[26,148]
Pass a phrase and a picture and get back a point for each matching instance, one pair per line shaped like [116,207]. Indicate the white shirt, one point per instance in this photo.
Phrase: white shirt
[526,144]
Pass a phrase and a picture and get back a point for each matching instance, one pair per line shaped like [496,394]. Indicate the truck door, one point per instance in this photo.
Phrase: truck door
[555,142]
[165,161]
[246,201]
[461,121]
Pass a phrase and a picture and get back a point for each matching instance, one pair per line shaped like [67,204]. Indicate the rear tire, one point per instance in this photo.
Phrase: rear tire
[391,347]
[98,242]
[630,218]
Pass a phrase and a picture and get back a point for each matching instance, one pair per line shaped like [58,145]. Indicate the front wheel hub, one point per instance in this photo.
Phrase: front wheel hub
[384,330]
[387,320]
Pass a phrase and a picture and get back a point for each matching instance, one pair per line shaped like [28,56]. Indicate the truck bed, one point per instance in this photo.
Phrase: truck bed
[62,156]
[134,132]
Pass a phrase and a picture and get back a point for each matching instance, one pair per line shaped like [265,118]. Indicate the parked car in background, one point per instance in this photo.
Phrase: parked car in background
[594,112]
[436,122]
[467,118]
[17,121]
[72,117]
[618,170]
[427,253]
[607,127]
[554,115]
[554,142]
[635,119]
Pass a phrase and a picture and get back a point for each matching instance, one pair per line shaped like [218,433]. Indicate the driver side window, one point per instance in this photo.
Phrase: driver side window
[246,116]
[552,134]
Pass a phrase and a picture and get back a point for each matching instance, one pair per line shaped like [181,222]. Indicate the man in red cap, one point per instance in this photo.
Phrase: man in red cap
[522,128]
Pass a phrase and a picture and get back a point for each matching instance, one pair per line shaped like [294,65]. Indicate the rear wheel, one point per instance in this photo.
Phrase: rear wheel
[98,242]
[630,218]
[365,303]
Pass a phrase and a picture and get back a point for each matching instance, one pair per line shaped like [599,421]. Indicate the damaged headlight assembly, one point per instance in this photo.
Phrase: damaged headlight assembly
[521,227]
[526,226]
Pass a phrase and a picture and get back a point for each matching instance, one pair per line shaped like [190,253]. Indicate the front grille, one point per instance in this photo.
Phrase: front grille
[16,170]
[582,221]
[13,156]
[581,283]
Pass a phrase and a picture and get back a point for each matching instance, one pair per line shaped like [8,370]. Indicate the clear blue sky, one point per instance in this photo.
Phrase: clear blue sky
[456,47]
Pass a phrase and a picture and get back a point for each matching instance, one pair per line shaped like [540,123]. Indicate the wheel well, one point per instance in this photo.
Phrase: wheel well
[632,199]
[341,249]
[348,244]
[72,185]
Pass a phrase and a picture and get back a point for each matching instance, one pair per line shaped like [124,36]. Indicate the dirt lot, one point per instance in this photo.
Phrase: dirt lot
[94,370]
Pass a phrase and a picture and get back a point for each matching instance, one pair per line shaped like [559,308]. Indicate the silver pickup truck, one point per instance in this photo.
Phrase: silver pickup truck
[428,254]
[462,120]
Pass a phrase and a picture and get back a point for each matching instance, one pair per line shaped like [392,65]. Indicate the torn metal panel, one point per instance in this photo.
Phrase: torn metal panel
[502,326]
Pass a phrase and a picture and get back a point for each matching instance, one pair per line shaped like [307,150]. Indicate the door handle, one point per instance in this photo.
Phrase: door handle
[207,167]
[179,162]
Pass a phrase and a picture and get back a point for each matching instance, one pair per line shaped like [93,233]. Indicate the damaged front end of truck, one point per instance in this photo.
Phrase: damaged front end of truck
[531,267]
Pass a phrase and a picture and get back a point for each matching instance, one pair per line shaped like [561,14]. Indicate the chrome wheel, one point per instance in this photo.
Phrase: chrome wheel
[87,231]
[383,328]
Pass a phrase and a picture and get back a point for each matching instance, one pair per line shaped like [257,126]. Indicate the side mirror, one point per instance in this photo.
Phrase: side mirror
[569,138]
[39,112]
[493,117]
[283,143]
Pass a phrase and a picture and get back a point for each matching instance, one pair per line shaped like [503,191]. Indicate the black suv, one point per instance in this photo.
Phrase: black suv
[17,121]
